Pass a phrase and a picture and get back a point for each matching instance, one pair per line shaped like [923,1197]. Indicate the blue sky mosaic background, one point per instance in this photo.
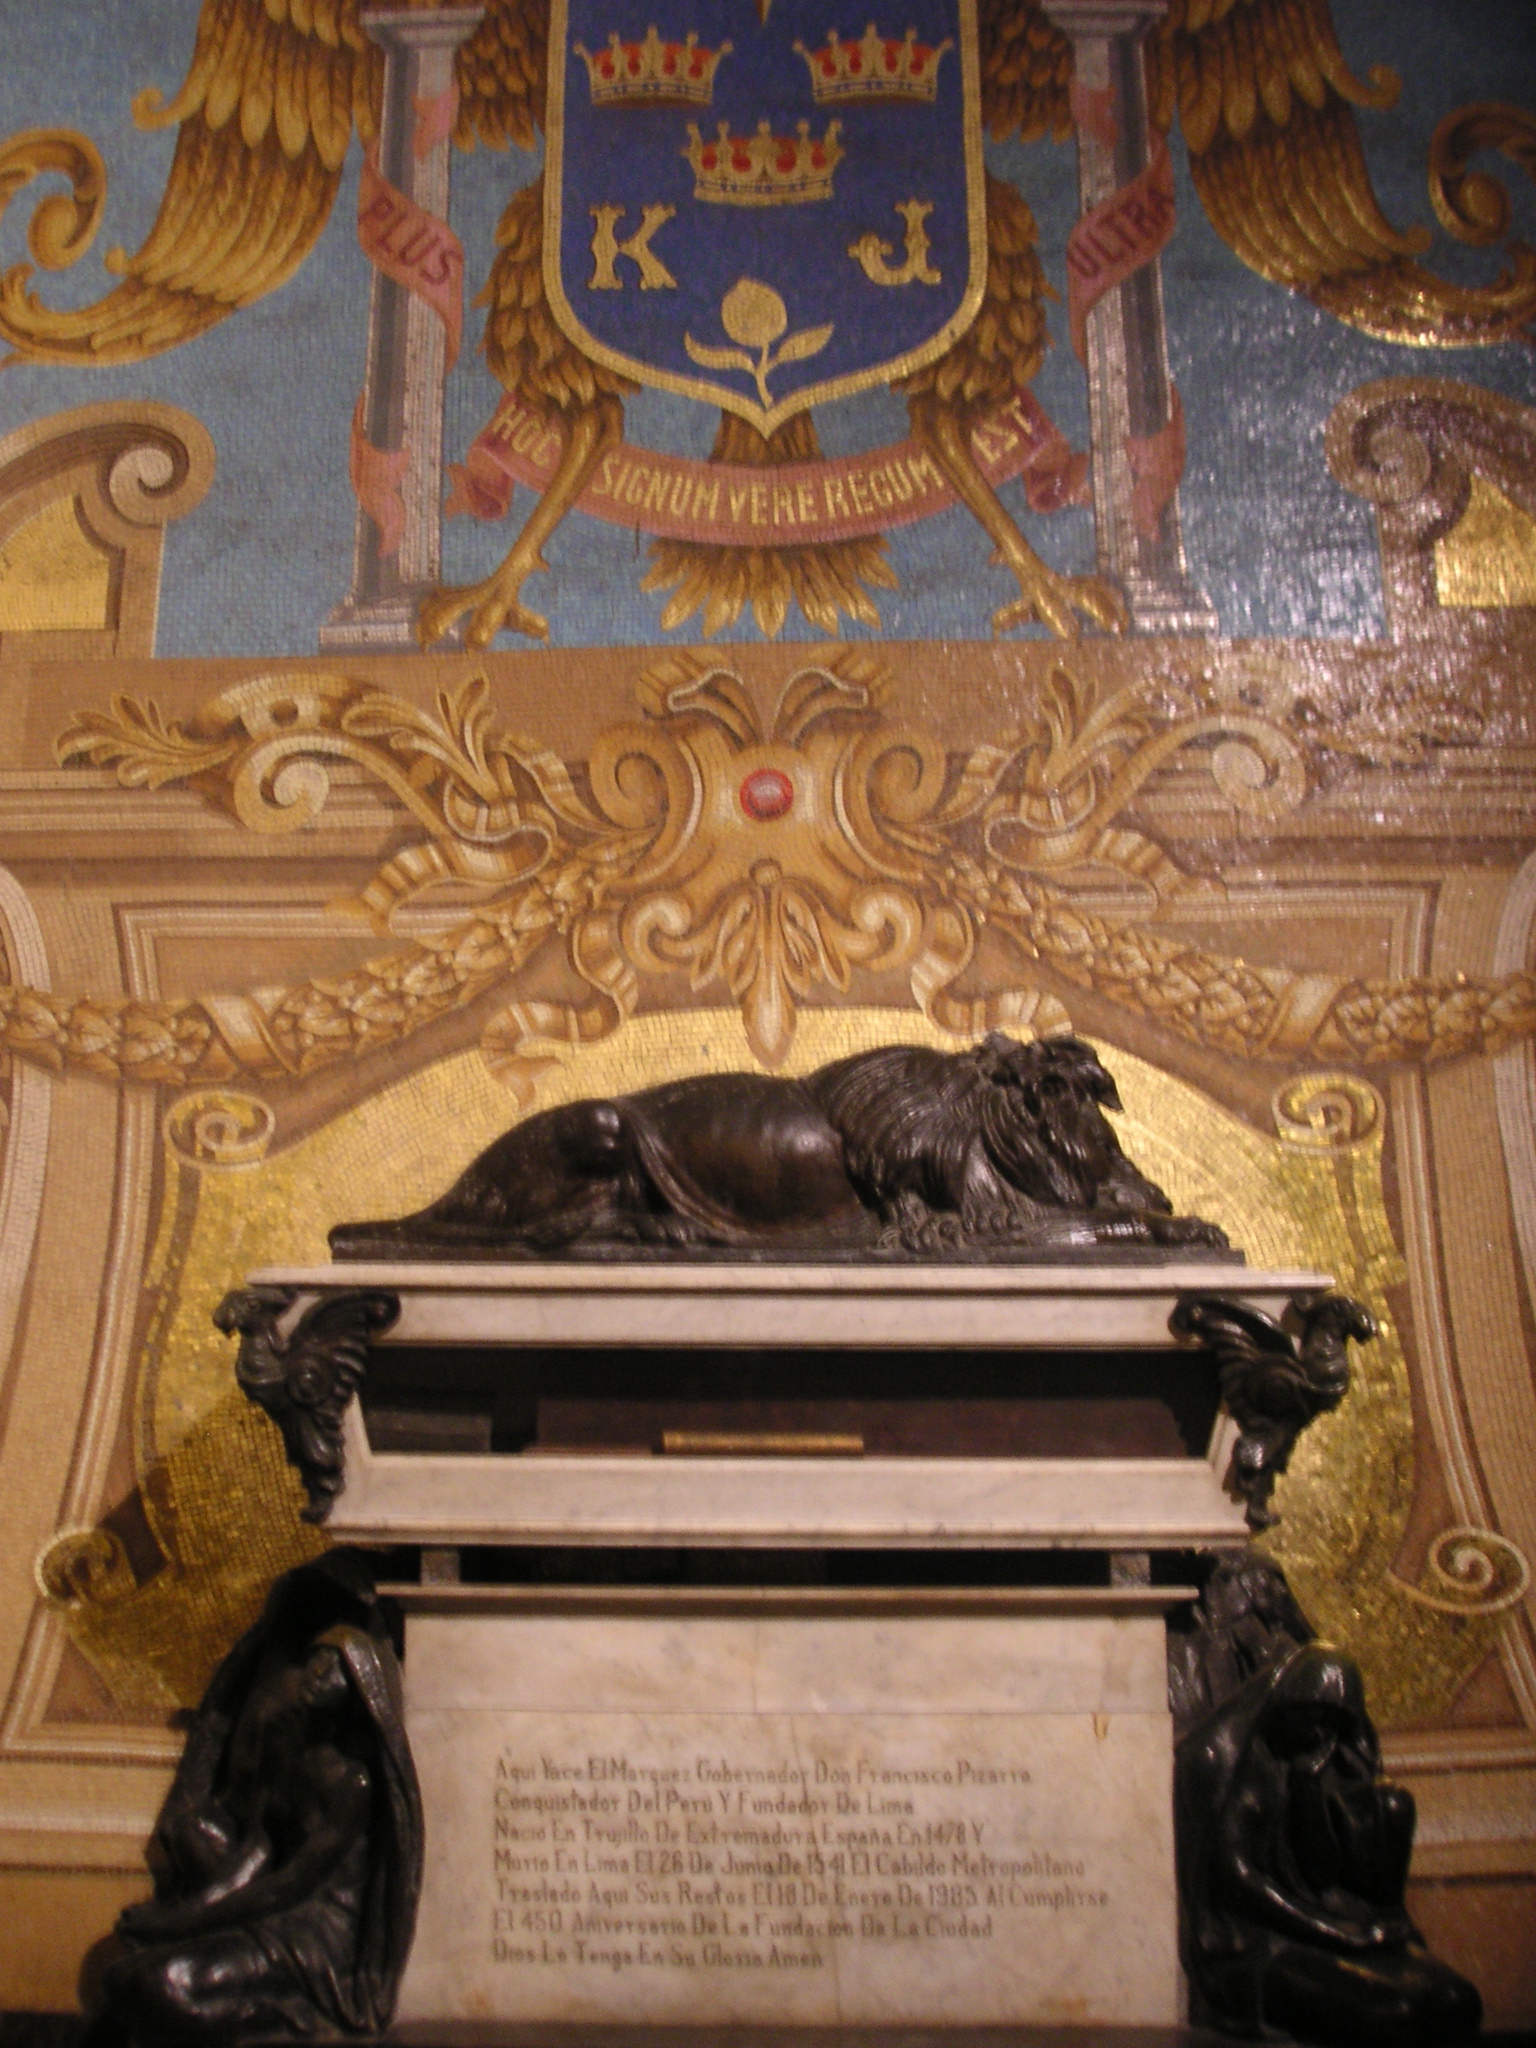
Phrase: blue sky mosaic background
[1279,547]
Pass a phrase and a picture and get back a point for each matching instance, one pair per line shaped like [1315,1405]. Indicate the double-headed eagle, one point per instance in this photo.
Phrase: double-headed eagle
[1264,97]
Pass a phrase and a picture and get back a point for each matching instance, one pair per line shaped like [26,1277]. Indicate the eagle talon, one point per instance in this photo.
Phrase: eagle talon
[491,617]
[495,603]
[1053,599]
[492,605]
[438,613]
[943,429]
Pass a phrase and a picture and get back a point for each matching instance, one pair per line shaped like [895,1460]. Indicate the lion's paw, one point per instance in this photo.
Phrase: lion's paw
[1190,1230]
[917,1228]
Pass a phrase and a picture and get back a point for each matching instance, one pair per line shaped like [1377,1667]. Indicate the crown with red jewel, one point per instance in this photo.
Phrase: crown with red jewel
[875,68]
[764,169]
[652,73]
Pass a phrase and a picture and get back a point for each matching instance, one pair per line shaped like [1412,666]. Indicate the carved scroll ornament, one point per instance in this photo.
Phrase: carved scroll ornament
[1420,449]
[305,1376]
[85,498]
[1273,1383]
[774,858]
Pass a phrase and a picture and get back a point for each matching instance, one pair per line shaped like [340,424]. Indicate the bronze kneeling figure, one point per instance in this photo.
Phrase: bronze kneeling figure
[1002,1148]
[287,1857]
[1292,1849]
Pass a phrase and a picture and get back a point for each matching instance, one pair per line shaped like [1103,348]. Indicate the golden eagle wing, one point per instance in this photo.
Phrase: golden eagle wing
[265,115]
[524,348]
[1026,90]
[1267,104]
[1026,72]
[500,75]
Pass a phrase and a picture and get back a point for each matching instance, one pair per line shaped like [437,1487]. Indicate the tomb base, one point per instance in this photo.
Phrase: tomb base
[792,1807]
[574,2034]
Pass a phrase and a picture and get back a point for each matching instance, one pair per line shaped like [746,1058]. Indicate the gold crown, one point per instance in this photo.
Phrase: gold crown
[764,169]
[876,68]
[654,73]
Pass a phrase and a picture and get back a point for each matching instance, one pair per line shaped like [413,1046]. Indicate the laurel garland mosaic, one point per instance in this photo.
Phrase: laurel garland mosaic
[771,858]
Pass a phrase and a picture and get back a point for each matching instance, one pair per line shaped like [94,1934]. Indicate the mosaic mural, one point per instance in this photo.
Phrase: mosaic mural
[549,544]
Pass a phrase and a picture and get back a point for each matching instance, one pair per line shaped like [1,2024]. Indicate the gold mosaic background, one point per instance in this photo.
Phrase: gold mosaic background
[224,1509]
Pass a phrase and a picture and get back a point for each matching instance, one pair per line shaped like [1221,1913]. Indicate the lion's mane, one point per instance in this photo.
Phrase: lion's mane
[911,1120]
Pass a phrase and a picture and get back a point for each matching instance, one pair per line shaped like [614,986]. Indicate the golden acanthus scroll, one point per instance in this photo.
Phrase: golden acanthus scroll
[769,858]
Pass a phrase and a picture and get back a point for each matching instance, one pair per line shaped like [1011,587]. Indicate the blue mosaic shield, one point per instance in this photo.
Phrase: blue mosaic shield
[750,202]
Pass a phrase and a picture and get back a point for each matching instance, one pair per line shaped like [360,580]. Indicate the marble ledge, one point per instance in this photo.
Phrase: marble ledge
[564,2034]
[892,1666]
[752,1602]
[906,1503]
[720,1303]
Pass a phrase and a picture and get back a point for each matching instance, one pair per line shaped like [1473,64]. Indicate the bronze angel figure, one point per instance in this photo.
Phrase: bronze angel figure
[1265,99]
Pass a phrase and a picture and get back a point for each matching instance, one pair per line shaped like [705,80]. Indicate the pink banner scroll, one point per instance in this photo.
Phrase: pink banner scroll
[376,474]
[413,247]
[1093,111]
[1131,227]
[795,504]
[434,119]
[1157,466]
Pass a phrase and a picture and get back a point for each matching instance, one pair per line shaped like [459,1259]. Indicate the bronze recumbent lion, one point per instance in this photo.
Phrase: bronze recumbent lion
[998,1151]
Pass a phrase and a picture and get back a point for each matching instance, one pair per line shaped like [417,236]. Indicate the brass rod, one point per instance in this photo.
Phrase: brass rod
[702,1443]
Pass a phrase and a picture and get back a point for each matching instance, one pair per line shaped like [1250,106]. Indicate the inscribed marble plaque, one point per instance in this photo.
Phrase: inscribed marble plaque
[818,1821]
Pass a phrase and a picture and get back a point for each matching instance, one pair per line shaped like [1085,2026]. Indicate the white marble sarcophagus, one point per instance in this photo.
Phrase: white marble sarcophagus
[837,1796]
